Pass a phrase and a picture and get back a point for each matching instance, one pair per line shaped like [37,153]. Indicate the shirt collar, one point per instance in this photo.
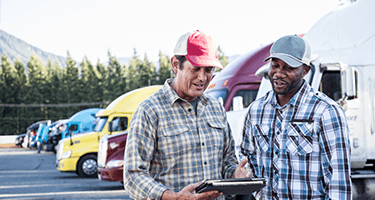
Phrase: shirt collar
[172,96]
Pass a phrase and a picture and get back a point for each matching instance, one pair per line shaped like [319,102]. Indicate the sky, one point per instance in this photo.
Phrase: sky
[91,28]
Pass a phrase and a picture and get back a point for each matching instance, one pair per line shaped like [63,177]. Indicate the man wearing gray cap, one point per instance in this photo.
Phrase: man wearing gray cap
[295,137]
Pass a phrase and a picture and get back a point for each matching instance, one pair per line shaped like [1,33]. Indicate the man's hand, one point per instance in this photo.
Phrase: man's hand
[189,193]
[241,171]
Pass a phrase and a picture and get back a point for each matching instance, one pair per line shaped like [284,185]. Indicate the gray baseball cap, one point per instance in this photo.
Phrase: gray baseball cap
[292,49]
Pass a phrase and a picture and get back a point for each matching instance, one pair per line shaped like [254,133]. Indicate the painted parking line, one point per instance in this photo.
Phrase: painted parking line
[62,193]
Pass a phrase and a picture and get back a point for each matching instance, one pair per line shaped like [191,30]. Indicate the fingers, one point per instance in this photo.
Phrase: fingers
[209,195]
[243,162]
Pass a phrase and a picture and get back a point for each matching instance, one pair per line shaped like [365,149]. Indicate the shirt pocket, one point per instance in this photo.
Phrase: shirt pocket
[262,134]
[299,138]
[173,140]
[173,129]
[217,134]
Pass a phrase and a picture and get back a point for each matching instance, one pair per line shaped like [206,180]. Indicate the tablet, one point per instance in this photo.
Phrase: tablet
[232,186]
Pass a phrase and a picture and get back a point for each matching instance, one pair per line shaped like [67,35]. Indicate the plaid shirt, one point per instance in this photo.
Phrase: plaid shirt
[170,147]
[302,148]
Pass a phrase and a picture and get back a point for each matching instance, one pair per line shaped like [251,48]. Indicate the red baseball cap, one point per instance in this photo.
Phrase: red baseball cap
[198,48]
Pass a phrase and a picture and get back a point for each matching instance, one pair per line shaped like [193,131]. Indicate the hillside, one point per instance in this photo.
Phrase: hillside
[17,48]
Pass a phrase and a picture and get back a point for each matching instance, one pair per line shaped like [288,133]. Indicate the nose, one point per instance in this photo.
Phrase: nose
[279,73]
[202,74]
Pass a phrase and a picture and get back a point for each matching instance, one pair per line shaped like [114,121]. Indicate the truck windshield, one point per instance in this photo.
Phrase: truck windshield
[100,122]
[218,94]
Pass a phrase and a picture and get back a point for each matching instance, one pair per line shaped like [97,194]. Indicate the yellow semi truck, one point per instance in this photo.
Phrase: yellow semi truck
[78,153]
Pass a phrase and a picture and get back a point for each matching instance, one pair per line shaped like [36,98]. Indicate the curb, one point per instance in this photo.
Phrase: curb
[8,146]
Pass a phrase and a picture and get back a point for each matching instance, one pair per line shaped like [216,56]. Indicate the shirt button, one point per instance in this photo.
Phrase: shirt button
[189,109]
[205,163]
[202,143]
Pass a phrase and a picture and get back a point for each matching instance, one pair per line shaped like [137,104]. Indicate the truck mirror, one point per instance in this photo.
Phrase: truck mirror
[110,128]
[237,103]
[349,78]
[263,71]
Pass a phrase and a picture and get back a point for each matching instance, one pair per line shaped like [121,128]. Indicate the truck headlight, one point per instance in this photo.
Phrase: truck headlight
[66,154]
[115,163]
[60,149]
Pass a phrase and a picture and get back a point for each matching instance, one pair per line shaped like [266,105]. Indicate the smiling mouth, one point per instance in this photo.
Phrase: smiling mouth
[199,85]
[279,83]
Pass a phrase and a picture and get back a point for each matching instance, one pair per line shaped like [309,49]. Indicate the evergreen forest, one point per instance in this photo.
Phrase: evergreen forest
[49,91]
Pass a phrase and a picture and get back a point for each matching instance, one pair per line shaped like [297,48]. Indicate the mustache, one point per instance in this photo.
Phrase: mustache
[278,79]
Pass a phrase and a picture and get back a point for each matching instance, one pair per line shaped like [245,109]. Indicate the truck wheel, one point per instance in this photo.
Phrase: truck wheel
[87,166]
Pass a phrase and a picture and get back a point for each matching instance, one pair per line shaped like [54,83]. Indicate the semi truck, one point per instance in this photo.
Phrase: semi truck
[343,67]
[78,153]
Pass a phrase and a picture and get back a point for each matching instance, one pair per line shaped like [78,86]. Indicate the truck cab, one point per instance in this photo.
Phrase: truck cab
[81,122]
[237,81]
[78,153]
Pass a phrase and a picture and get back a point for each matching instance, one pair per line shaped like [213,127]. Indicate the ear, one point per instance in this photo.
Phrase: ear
[175,63]
[306,70]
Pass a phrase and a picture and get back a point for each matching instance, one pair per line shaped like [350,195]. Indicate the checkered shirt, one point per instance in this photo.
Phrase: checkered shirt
[301,148]
[170,147]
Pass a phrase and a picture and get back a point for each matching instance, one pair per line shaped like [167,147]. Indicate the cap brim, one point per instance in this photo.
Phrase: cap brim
[288,60]
[202,61]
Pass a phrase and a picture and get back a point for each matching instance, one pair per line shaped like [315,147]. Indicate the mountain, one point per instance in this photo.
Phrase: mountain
[17,48]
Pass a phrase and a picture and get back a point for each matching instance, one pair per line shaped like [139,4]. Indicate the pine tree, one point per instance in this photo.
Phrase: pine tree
[36,92]
[164,70]
[146,71]
[101,89]
[22,82]
[71,88]
[116,77]
[133,72]
[222,58]
[9,87]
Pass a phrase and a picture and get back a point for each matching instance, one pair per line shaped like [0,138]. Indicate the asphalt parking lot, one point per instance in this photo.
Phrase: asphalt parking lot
[25,174]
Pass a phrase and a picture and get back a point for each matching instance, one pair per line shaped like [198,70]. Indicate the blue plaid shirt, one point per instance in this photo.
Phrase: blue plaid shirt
[301,148]
[169,146]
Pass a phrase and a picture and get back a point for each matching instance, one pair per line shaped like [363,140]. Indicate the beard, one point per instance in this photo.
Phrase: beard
[282,87]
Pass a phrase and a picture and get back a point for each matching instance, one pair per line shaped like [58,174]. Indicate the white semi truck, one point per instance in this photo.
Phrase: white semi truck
[343,48]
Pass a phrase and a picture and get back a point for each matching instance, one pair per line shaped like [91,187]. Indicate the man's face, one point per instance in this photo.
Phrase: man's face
[191,81]
[285,79]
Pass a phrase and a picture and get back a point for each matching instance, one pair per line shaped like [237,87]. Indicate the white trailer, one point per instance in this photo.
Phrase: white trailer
[343,48]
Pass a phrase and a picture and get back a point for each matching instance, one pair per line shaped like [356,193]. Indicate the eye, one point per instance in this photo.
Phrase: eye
[209,69]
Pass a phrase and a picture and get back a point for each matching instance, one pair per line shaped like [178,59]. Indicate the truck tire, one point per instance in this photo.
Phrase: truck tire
[87,166]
